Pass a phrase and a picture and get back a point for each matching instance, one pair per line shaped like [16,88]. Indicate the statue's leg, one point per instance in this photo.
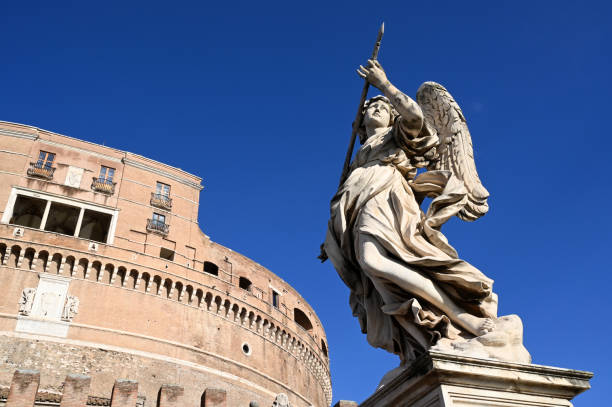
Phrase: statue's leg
[375,262]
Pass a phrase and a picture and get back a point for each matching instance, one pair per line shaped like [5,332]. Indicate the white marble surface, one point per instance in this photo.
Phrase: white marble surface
[42,327]
[74,177]
[442,380]
[409,288]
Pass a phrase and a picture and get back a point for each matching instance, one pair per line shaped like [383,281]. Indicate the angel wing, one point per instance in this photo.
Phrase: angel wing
[455,152]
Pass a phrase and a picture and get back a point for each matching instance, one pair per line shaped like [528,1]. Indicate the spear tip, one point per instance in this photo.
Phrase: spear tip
[382,28]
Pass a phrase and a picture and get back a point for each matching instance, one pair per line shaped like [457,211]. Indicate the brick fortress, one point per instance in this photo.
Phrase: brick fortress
[106,275]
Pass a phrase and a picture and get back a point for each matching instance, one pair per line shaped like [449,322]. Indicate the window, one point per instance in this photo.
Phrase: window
[245,283]
[157,224]
[45,159]
[95,225]
[158,219]
[50,213]
[166,254]
[162,189]
[62,219]
[275,299]
[28,211]
[106,174]
[323,348]
[104,182]
[301,319]
[211,268]
[161,196]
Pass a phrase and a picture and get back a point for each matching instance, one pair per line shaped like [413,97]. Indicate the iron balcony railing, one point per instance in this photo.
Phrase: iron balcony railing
[103,185]
[41,170]
[157,226]
[161,201]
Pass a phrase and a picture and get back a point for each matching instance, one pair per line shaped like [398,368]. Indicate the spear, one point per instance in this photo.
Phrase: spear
[357,122]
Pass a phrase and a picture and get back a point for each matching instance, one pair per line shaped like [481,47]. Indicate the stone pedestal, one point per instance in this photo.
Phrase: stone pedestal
[445,380]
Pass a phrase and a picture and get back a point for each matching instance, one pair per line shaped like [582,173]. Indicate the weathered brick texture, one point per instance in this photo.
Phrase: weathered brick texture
[125,393]
[345,403]
[76,389]
[171,396]
[192,302]
[23,388]
[214,398]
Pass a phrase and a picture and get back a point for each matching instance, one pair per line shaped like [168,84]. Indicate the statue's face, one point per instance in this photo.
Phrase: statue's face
[377,114]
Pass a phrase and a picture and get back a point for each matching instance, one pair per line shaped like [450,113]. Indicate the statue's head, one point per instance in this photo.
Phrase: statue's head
[377,112]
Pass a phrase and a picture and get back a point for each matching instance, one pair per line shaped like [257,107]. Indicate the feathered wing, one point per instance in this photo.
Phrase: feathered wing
[455,152]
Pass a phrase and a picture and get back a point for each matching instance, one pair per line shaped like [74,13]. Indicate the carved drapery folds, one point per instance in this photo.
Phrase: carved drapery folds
[26,301]
[71,308]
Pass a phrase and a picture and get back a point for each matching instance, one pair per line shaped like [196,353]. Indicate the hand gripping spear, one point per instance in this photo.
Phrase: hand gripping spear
[357,122]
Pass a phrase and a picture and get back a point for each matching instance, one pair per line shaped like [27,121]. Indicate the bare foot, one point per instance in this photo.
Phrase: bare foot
[488,325]
[475,325]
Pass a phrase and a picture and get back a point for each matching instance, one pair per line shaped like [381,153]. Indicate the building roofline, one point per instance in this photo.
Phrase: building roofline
[125,158]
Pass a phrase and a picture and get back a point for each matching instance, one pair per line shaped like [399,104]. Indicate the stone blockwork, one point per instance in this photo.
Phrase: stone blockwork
[24,392]
[24,387]
[114,296]
[76,390]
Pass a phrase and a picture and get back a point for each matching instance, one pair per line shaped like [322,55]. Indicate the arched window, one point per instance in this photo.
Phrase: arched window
[2,252]
[301,319]
[211,268]
[245,284]
[323,348]
[133,278]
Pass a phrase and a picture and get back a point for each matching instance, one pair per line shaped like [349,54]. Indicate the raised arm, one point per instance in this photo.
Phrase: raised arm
[406,107]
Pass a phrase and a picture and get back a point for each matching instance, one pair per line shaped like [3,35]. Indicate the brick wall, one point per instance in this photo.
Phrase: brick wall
[24,392]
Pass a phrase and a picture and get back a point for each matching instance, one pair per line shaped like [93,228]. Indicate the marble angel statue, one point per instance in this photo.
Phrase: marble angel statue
[408,287]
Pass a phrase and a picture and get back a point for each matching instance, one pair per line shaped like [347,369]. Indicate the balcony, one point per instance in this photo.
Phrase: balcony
[157,226]
[161,201]
[103,185]
[41,170]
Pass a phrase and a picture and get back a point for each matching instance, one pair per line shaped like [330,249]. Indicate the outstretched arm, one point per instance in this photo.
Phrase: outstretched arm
[406,107]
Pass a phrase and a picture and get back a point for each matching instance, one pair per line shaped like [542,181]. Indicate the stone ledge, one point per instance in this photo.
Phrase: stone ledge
[439,379]
[42,326]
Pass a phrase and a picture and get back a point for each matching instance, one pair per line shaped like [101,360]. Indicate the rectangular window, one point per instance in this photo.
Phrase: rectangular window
[35,209]
[28,211]
[166,254]
[62,219]
[162,189]
[159,219]
[45,159]
[275,299]
[95,225]
[106,174]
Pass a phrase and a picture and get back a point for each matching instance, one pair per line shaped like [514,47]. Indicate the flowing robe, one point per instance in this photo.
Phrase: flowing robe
[381,198]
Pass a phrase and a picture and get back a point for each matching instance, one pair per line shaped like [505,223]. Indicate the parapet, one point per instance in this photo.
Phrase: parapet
[24,392]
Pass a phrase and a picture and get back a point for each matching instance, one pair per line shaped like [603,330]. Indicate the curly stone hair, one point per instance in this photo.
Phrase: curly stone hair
[393,114]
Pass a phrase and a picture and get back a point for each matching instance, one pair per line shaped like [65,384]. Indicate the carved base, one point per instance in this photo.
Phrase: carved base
[42,327]
[444,380]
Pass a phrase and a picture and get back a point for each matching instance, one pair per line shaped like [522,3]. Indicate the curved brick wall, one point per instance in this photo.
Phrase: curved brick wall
[140,316]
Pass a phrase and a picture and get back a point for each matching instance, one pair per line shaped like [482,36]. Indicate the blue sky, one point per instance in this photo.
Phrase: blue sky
[258,99]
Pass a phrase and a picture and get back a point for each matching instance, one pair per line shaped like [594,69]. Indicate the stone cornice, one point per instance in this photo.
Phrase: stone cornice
[81,150]
[19,134]
[496,379]
[127,161]
[145,167]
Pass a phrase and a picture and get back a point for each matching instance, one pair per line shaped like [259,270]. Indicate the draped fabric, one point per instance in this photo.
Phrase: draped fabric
[381,198]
